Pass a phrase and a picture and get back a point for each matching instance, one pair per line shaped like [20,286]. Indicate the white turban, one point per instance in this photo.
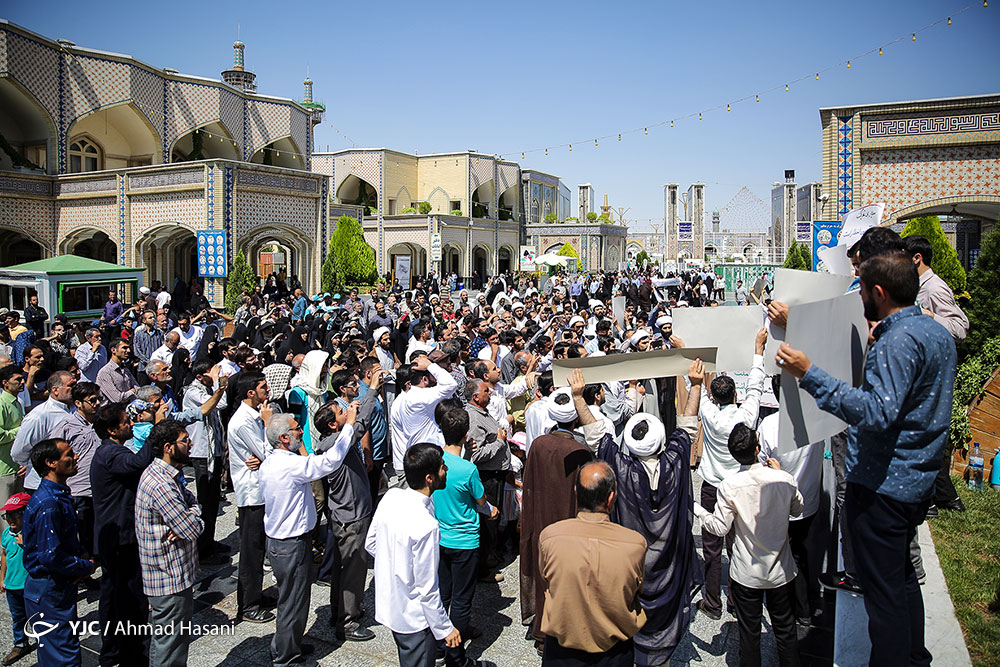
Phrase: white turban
[517,304]
[649,444]
[576,319]
[638,336]
[594,303]
[663,319]
[562,414]
[379,333]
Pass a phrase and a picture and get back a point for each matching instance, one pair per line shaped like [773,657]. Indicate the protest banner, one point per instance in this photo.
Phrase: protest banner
[635,366]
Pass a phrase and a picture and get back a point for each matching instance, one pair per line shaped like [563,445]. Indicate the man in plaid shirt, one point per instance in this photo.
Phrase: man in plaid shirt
[167,524]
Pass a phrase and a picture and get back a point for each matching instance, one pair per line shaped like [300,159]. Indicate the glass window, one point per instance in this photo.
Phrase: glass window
[74,298]
[84,155]
[97,295]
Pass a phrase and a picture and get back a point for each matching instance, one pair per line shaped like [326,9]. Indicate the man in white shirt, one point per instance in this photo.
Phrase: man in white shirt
[190,335]
[38,423]
[420,340]
[165,353]
[91,357]
[537,420]
[805,464]
[248,448]
[758,500]
[412,418]
[404,539]
[285,479]
[501,393]
[719,414]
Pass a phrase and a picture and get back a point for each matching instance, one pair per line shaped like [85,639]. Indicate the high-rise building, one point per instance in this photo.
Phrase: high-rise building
[585,197]
[783,214]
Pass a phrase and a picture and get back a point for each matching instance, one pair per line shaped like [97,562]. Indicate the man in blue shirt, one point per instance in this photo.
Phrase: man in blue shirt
[299,309]
[898,427]
[53,555]
[457,507]
[379,431]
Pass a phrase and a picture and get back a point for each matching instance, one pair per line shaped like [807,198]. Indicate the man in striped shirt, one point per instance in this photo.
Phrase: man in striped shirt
[167,525]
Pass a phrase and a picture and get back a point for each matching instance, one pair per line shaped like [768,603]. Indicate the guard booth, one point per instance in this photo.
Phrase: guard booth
[75,286]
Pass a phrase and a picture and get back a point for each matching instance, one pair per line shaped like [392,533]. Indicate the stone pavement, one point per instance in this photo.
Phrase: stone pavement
[496,612]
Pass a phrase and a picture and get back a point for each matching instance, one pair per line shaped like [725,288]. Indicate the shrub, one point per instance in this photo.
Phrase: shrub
[969,380]
[241,278]
[945,260]
[592,217]
[798,258]
[550,217]
[984,306]
[424,207]
[350,259]
[408,209]
[569,251]
[457,212]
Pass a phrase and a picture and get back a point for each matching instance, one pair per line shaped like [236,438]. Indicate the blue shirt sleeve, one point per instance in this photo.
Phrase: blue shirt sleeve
[52,542]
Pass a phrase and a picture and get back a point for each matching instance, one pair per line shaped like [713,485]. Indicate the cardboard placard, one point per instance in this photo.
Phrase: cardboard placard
[633,366]
[731,329]
[834,334]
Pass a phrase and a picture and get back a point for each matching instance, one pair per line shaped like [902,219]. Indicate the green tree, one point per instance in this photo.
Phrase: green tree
[795,259]
[944,261]
[569,251]
[424,207]
[241,278]
[983,308]
[605,218]
[550,217]
[350,261]
[592,217]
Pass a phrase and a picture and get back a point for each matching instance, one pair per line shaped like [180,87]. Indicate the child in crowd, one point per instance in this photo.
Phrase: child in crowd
[13,574]
[143,414]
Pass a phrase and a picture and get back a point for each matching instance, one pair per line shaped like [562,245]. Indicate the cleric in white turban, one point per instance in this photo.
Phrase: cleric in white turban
[653,470]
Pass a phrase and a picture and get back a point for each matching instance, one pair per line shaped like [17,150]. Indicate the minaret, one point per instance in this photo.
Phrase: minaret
[315,109]
[238,77]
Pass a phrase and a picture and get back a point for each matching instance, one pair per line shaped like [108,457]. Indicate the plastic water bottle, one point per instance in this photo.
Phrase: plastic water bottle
[976,464]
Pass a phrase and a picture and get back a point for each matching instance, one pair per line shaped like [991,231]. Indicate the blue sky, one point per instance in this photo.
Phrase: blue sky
[513,76]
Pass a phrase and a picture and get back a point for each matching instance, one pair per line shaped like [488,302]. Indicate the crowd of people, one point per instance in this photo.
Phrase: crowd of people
[425,431]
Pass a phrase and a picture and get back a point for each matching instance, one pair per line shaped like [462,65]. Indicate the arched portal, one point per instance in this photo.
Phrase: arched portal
[286,244]
[357,191]
[281,152]
[91,243]
[209,141]
[26,126]
[167,251]
[504,257]
[481,263]
[451,259]
[112,137]
[18,248]
[710,252]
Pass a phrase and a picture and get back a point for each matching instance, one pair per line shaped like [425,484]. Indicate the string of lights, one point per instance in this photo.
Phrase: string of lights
[755,97]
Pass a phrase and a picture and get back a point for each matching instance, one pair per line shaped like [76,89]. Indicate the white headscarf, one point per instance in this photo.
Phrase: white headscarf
[310,373]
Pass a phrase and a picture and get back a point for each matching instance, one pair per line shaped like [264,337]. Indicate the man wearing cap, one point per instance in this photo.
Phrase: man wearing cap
[299,309]
[548,497]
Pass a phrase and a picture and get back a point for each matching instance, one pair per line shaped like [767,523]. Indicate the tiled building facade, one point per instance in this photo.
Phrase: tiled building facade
[129,161]
[931,157]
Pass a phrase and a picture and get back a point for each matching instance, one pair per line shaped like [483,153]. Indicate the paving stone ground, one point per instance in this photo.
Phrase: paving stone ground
[496,612]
